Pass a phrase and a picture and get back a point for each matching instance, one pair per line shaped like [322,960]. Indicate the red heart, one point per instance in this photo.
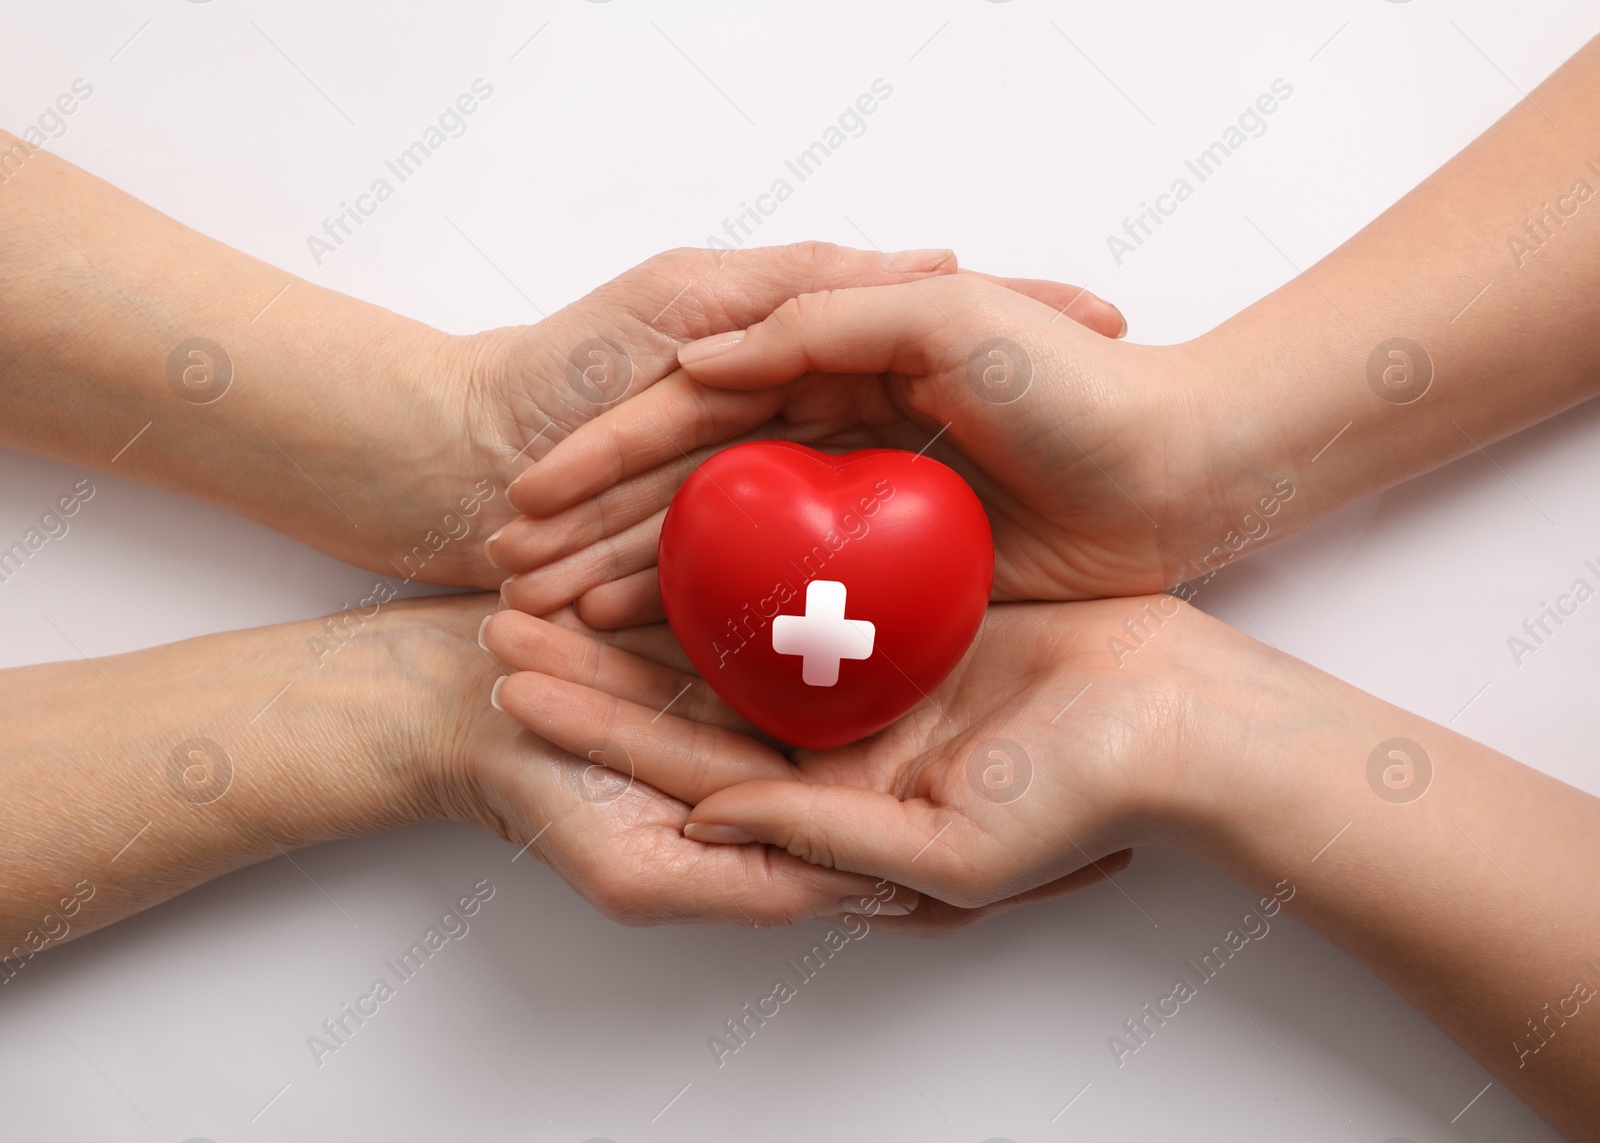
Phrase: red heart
[763,533]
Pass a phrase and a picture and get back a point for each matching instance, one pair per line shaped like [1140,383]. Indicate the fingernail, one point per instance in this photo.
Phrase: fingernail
[920,261]
[1124,331]
[504,602]
[494,694]
[488,548]
[482,627]
[714,834]
[709,347]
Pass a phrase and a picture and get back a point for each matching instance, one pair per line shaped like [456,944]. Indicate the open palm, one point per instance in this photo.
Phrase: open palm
[1027,773]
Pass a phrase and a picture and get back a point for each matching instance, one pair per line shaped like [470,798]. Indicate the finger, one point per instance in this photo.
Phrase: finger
[750,885]
[696,291]
[691,294]
[661,426]
[558,584]
[527,542]
[626,602]
[621,846]
[936,918]
[679,755]
[913,842]
[653,641]
[902,329]
[526,643]
[688,293]
[1076,302]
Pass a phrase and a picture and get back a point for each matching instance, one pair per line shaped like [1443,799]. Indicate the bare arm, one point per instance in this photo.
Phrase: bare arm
[1467,881]
[1467,311]
[131,344]
[126,780]
[129,779]
[134,345]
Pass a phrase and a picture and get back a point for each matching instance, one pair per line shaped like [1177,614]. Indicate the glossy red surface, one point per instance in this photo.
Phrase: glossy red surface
[758,522]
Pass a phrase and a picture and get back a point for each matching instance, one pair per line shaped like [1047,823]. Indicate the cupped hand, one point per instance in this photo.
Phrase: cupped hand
[1097,460]
[615,836]
[511,395]
[1061,740]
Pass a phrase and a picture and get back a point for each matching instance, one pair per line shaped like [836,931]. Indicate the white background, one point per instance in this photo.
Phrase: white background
[603,143]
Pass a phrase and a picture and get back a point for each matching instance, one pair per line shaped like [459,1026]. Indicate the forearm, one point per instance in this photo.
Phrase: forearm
[129,779]
[103,301]
[1490,269]
[1465,880]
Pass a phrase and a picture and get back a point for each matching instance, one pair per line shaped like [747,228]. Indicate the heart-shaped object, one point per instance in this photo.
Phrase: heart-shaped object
[824,596]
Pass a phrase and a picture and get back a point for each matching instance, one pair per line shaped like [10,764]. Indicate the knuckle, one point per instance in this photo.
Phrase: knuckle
[785,319]
[603,562]
[817,256]
[771,907]
[615,457]
[698,754]
[612,720]
[599,518]
[606,514]
[700,702]
[802,310]
[701,409]
[593,655]
[809,843]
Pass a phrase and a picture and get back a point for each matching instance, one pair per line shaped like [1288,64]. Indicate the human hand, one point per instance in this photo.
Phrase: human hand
[1032,769]
[357,431]
[1058,743]
[515,393]
[615,837]
[1106,468]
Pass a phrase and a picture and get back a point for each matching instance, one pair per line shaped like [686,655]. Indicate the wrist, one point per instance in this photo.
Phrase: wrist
[1217,479]
[1233,712]
[205,756]
[340,743]
[362,443]
[425,683]
[1247,479]
[324,417]
[1274,754]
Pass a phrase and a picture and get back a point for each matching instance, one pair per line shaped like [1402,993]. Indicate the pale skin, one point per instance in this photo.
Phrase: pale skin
[346,426]
[1184,433]
[387,444]
[390,730]
[1122,470]
[1124,467]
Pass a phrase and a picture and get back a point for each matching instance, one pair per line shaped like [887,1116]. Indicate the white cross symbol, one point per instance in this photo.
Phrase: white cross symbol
[823,635]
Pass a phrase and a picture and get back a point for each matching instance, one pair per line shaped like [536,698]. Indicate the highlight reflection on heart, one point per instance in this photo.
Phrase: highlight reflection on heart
[824,596]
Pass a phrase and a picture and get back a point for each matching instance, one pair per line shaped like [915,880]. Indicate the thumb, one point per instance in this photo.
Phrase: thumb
[904,328]
[1075,302]
[843,827]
